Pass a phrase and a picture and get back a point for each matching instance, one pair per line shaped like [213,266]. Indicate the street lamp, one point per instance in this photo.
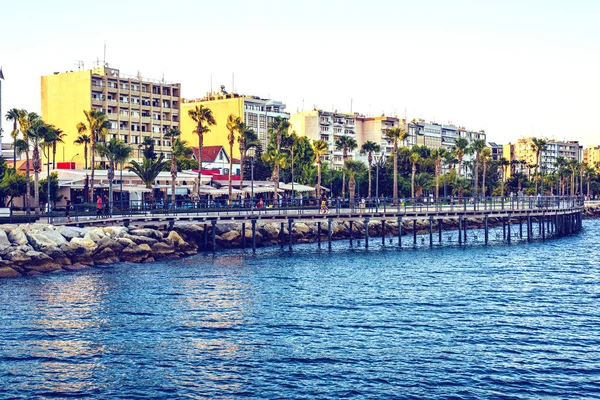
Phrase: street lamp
[74,157]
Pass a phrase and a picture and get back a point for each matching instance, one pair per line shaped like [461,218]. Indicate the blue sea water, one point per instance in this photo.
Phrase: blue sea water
[518,321]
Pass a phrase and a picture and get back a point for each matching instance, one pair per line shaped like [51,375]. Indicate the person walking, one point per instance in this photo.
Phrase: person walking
[68,210]
[324,209]
[98,207]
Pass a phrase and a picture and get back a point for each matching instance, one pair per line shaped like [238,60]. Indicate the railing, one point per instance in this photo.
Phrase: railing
[309,206]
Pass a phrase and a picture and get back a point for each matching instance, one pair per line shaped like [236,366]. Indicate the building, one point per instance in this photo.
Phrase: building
[591,155]
[256,112]
[497,151]
[137,108]
[215,158]
[524,152]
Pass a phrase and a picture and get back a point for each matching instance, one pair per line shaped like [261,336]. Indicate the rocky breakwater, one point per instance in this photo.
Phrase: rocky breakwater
[34,249]
[591,211]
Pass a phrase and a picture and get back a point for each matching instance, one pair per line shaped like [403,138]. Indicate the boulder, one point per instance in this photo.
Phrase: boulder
[40,262]
[190,233]
[146,232]
[124,242]
[58,256]
[115,231]
[105,256]
[229,239]
[17,237]
[135,253]
[45,239]
[270,231]
[109,243]
[75,267]
[94,234]
[141,239]
[88,245]
[224,228]
[70,232]
[174,239]
[8,272]
[4,242]
[18,256]
[301,228]
[161,250]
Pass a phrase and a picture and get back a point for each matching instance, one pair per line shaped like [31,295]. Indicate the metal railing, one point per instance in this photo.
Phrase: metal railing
[307,206]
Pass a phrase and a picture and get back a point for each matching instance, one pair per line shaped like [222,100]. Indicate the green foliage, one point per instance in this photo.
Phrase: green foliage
[54,196]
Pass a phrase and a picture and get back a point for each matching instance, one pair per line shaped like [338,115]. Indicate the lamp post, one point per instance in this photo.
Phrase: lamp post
[331,175]
[74,157]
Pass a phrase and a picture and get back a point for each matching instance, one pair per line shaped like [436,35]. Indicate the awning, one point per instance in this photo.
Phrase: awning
[297,187]
[261,189]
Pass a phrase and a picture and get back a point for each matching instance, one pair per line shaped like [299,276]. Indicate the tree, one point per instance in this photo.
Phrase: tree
[114,151]
[38,133]
[204,118]
[460,149]
[476,147]
[573,166]
[369,147]
[13,185]
[345,144]
[233,125]
[439,154]
[54,196]
[352,168]
[148,170]
[13,115]
[422,182]
[320,148]
[278,128]
[83,139]
[485,155]
[538,145]
[460,186]
[148,150]
[97,126]
[395,135]
[247,138]
[414,159]
[57,137]
[174,134]
[504,163]
[25,121]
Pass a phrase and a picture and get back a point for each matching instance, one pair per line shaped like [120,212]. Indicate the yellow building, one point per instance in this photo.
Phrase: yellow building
[256,112]
[137,108]
[591,156]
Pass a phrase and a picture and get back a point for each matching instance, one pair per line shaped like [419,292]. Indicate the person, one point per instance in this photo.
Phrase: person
[324,209]
[98,207]
[261,204]
[106,207]
[362,205]
[68,210]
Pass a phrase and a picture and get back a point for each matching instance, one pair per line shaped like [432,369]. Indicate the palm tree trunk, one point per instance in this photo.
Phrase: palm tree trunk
[476,177]
[200,143]
[53,155]
[173,177]
[242,163]
[85,155]
[230,167]
[318,178]
[27,184]
[483,180]
[111,177]
[369,180]
[93,159]
[275,182]
[412,181]
[395,172]
[437,180]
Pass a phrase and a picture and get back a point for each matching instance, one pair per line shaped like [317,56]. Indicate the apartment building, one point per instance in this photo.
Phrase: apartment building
[523,151]
[497,151]
[591,155]
[137,107]
[256,112]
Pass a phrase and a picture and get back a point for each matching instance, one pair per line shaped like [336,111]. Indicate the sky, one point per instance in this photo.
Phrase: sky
[512,68]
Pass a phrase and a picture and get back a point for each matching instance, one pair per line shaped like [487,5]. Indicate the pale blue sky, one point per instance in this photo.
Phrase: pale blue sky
[513,68]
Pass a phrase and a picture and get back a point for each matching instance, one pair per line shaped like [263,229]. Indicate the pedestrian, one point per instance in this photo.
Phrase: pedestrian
[98,207]
[324,209]
[362,205]
[68,210]
[106,205]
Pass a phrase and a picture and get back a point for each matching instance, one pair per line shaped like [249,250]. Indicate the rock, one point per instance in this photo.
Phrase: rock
[115,232]
[190,233]
[17,237]
[40,262]
[160,250]
[4,242]
[80,250]
[8,272]
[224,228]
[58,256]
[302,228]
[75,267]
[88,245]
[229,239]
[94,234]
[135,253]
[124,242]
[142,239]
[109,243]
[173,238]
[40,240]
[18,256]
[150,233]
[106,256]
[270,231]
[70,232]
[149,260]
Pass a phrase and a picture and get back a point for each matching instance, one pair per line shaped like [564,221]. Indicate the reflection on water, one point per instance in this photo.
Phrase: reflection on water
[514,321]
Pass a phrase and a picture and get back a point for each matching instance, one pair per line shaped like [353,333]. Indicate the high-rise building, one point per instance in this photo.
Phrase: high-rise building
[591,155]
[523,151]
[256,112]
[497,150]
[137,108]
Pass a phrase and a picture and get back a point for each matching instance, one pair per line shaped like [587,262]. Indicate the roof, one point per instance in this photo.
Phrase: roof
[209,153]
[21,165]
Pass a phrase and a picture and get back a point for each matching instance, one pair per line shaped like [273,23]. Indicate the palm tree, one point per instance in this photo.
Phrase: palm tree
[460,185]
[114,151]
[203,117]
[38,133]
[148,170]
[174,134]
[353,167]
[369,147]
[504,163]
[320,148]
[278,158]
[25,122]
[395,135]
[573,166]
[538,145]
[439,154]
[345,144]
[486,154]
[422,182]
[278,128]
[589,172]
[97,126]
[460,149]
[233,125]
[247,138]
[414,159]
[57,137]
[476,147]
[83,139]
[13,115]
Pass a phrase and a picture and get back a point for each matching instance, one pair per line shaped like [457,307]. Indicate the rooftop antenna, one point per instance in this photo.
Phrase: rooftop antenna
[351,100]
[79,64]
[211,88]
[233,82]
[104,62]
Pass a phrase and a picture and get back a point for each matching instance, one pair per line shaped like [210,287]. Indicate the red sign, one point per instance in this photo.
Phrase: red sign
[65,165]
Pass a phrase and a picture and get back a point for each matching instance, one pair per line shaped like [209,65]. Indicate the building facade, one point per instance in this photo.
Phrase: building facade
[591,155]
[523,151]
[256,112]
[137,108]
